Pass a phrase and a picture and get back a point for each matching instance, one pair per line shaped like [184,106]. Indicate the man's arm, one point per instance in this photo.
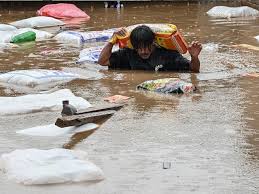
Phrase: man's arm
[194,50]
[105,55]
[107,50]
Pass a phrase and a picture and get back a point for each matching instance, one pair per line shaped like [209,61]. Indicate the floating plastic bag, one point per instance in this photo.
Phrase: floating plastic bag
[75,37]
[40,102]
[167,86]
[34,166]
[37,22]
[24,37]
[34,77]
[62,10]
[166,35]
[92,54]
[6,27]
[257,37]
[228,12]
[53,130]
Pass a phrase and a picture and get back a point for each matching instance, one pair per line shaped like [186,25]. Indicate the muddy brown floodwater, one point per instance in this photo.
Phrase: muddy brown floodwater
[210,138]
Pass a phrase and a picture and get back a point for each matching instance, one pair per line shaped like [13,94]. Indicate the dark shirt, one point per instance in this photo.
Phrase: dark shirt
[160,60]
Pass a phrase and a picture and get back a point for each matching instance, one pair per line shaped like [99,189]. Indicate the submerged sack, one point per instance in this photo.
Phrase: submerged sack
[6,27]
[24,37]
[37,22]
[34,166]
[75,37]
[167,86]
[62,10]
[228,12]
[166,36]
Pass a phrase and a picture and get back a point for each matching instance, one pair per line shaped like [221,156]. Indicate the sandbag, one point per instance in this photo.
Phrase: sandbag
[37,22]
[40,102]
[52,130]
[92,54]
[166,36]
[24,37]
[6,27]
[167,86]
[75,37]
[62,10]
[229,12]
[6,36]
[34,166]
[34,77]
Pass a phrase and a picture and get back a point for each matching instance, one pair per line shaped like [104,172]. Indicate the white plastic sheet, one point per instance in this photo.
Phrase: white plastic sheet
[92,54]
[228,12]
[74,37]
[40,102]
[37,22]
[6,27]
[6,36]
[34,166]
[34,77]
[53,130]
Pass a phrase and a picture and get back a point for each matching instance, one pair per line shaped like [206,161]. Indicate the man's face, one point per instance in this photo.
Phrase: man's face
[145,52]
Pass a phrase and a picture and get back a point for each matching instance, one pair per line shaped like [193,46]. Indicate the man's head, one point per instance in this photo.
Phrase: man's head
[142,39]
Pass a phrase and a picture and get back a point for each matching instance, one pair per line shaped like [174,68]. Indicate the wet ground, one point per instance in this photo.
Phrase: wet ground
[210,138]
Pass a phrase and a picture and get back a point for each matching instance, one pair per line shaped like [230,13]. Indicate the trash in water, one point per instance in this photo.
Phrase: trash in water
[255,74]
[167,86]
[117,99]
[166,165]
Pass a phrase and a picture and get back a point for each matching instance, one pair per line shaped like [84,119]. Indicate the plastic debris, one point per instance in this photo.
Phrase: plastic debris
[167,86]
[117,99]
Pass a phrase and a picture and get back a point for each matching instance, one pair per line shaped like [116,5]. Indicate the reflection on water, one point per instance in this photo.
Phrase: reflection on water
[211,136]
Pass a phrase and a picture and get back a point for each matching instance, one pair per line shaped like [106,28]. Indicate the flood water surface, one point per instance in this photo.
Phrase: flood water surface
[209,138]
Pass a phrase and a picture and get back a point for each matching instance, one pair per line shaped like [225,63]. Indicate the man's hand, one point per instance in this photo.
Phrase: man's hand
[122,32]
[195,49]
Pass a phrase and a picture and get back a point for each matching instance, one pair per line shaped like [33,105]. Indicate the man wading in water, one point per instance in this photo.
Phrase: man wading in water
[146,55]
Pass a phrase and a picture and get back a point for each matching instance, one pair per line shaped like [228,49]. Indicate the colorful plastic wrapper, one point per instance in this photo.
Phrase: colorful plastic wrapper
[167,86]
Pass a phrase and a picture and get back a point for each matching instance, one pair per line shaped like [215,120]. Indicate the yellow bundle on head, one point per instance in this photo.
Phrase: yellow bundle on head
[166,35]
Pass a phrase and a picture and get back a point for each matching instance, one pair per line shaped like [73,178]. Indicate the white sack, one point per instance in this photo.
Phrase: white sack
[4,46]
[40,35]
[92,54]
[34,166]
[6,27]
[53,130]
[257,37]
[5,37]
[37,22]
[228,12]
[74,37]
[34,77]
[40,102]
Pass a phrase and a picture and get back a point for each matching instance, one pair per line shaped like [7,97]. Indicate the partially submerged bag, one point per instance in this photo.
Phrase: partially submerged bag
[62,10]
[6,27]
[24,37]
[75,37]
[34,166]
[166,36]
[167,86]
[228,12]
[92,54]
[37,22]
[34,77]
